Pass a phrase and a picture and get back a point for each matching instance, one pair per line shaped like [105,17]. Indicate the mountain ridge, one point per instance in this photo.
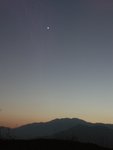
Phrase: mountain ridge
[64,129]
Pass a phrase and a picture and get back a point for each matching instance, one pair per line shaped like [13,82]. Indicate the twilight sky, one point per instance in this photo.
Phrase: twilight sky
[56,60]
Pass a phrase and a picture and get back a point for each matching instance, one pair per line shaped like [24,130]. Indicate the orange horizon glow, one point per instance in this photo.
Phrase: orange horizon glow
[21,122]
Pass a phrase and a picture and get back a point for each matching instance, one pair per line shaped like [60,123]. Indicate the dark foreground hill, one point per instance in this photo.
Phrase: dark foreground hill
[46,144]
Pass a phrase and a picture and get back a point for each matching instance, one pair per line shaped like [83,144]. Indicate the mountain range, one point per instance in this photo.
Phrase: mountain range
[63,129]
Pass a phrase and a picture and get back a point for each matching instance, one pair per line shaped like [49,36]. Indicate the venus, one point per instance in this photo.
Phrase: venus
[48,27]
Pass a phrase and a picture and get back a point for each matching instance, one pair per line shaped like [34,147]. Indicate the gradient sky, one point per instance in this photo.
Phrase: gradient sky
[65,70]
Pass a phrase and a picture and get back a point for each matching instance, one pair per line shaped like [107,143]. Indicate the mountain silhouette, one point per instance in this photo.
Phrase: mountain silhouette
[92,133]
[64,129]
[39,130]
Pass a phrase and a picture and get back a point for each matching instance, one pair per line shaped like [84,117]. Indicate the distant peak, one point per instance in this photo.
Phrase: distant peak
[66,119]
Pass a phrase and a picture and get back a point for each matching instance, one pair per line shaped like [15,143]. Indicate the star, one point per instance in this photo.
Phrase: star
[47,27]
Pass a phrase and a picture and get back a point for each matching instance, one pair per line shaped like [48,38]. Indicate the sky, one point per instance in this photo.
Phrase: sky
[56,60]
